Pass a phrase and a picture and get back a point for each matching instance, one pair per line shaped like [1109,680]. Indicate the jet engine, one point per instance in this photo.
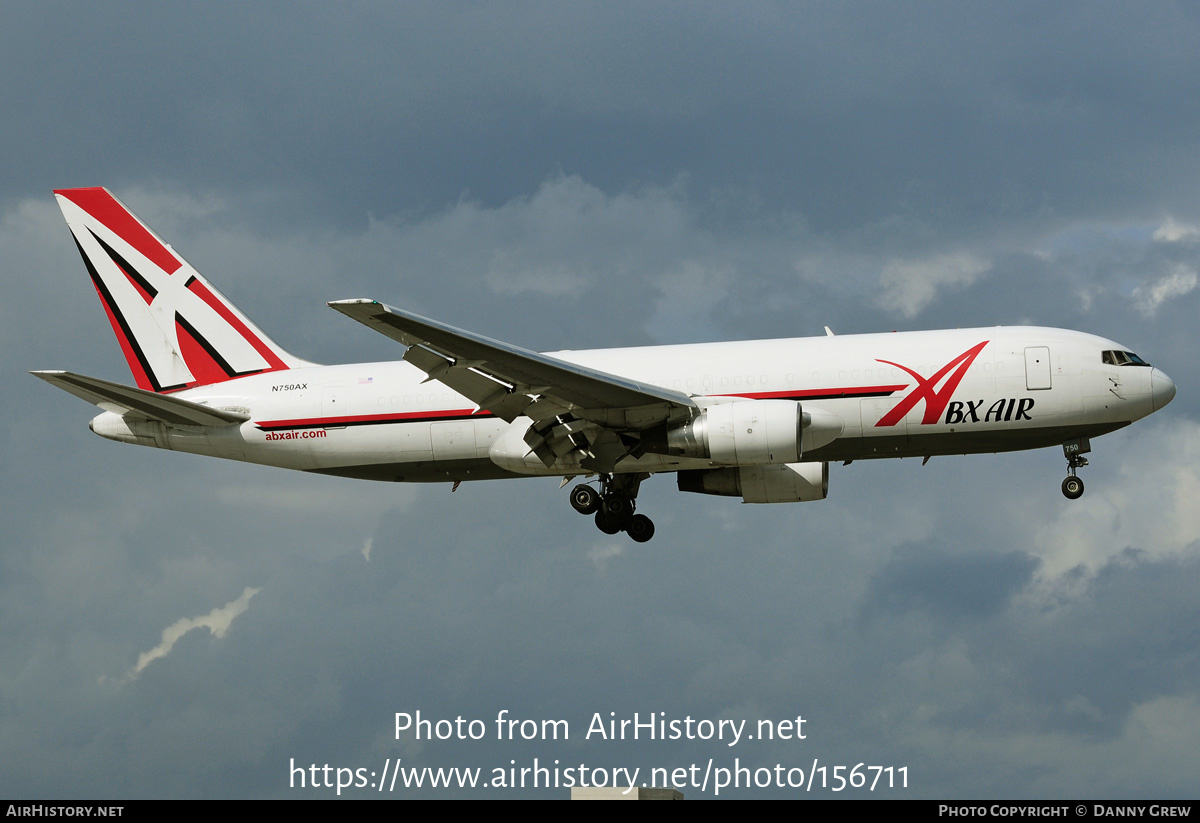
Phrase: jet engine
[753,432]
[782,483]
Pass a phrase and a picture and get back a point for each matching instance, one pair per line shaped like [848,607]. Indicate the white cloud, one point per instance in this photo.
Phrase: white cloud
[1156,735]
[602,553]
[217,621]
[1172,232]
[508,274]
[911,285]
[289,496]
[33,239]
[1179,282]
[687,297]
[568,237]
[1150,509]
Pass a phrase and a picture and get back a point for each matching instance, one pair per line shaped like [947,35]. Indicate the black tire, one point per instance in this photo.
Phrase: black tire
[585,499]
[607,523]
[1072,488]
[618,506]
[640,528]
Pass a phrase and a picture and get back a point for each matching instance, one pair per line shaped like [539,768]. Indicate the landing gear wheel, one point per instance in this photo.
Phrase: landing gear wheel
[614,505]
[640,528]
[1074,451]
[618,506]
[585,499]
[608,524]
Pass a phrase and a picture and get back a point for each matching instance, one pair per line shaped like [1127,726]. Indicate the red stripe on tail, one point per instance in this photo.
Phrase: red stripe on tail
[197,288]
[103,206]
[200,363]
[135,365]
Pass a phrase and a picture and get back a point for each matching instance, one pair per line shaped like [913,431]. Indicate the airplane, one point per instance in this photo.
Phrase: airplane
[756,419]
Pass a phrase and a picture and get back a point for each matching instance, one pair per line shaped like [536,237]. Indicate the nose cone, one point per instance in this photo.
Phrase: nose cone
[1162,389]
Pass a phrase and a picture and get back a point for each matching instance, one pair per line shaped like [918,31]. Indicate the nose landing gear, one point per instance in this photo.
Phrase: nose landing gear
[1072,486]
[614,505]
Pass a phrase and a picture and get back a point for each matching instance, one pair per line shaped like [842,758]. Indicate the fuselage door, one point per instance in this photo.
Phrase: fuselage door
[1037,368]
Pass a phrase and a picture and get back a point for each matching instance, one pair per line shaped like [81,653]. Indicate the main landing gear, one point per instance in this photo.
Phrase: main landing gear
[1072,486]
[614,505]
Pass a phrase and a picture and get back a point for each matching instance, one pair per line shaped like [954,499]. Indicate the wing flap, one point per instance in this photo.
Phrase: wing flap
[478,367]
[487,393]
[127,400]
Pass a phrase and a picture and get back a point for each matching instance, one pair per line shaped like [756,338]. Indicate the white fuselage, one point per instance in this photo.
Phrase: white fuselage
[895,395]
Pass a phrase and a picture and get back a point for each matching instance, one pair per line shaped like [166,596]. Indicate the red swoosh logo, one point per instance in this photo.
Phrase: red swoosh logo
[935,399]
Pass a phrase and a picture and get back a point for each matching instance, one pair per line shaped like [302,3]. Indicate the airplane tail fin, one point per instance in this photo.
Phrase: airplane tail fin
[175,329]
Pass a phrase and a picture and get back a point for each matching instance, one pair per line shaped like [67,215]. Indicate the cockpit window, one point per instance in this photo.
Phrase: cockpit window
[1122,358]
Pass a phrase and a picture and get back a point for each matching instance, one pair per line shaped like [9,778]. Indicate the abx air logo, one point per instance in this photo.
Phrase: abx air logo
[175,331]
[936,399]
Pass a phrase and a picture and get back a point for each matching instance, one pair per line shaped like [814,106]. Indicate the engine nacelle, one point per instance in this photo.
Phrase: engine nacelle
[744,432]
[754,432]
[785,483]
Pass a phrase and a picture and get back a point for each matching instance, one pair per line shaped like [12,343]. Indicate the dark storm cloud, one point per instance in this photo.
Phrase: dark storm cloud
[433,623]
[578,176]
[850,114]
[950,586]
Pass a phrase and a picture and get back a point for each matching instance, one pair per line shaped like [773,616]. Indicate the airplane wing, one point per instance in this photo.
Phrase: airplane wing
[123,400]
[566,402]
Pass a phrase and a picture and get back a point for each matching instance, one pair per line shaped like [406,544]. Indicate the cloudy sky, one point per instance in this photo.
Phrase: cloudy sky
[588,175]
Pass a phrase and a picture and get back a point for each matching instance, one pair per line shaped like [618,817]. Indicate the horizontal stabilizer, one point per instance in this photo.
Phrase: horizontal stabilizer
[124,400]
